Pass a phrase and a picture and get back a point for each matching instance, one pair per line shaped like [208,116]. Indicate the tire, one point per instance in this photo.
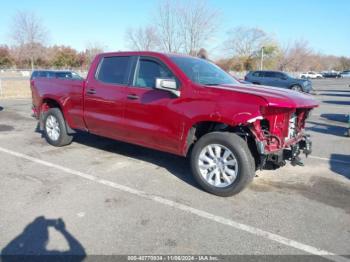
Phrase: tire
[55,129]
[296,88]
[244,168]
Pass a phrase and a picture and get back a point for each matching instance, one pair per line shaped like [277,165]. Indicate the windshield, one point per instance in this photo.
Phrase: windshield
[203,72]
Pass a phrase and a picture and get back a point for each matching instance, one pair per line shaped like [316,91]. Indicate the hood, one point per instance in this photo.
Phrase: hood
[276,97]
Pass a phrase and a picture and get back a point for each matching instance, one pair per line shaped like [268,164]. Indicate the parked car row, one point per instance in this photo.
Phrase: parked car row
[325,74]
[311,75]
[330,74]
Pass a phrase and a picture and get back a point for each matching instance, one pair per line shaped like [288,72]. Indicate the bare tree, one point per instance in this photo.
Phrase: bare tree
[142,38]
[29,35]
[297,57]
[91,50]
[167,27]
[300,54]
[178,27]
[198,24]
[284,59]
[344,63]
[246,43]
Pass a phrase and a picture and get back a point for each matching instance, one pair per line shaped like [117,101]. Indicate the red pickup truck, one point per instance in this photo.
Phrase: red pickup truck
[182,105]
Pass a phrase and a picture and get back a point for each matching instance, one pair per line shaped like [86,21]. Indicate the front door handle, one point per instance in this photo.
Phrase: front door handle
[91,91]
[133,97]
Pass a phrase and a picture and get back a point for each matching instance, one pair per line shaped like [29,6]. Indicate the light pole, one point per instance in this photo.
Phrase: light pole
[262,58]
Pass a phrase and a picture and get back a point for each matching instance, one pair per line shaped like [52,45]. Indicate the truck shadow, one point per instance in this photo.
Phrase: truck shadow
[335,90]
[338,167]
[337,102]
[176,165]
[331,94]
[327,129]
[336,117]
[31,244]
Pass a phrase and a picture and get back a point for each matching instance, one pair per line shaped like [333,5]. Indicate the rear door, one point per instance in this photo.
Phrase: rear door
[269,78]
[280,80]
[105,97]
[149,116]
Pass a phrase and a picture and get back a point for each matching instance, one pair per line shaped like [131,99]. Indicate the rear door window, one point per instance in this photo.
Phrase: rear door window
[51,74]
[42,74]
[279,75]
[270,74]
[64,75]
[114,70]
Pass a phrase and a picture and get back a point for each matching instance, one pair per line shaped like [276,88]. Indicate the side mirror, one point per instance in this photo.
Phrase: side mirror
[284,78]
[167,84]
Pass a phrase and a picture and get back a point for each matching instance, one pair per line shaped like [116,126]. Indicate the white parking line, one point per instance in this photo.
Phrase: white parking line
[224,221]
[330,160]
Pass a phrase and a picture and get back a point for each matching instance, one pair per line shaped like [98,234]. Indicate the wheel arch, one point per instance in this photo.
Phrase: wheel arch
[201,128]
[295,84]
[50,102]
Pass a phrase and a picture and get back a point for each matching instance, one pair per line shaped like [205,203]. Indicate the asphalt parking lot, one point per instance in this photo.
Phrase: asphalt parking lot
[116,198]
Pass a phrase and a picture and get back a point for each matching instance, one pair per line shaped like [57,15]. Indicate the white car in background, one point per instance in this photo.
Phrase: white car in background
[345,74]
[311,75]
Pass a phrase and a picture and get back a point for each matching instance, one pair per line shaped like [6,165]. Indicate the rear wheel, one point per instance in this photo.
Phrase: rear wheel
[296,88]
[55,128]
[222,163]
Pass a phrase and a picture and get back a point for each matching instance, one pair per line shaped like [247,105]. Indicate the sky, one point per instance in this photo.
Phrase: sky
[324,24]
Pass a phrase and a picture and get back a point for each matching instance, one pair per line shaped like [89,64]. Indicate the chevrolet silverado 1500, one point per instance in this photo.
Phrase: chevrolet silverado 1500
[181,105]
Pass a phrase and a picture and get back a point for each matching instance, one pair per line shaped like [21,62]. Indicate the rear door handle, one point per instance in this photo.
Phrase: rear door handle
[133,96]
[91,91]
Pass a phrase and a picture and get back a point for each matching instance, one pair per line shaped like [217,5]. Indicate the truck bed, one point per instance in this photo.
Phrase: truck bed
[68,93]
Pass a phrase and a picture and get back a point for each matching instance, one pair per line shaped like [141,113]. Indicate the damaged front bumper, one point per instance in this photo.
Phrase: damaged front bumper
[276,159]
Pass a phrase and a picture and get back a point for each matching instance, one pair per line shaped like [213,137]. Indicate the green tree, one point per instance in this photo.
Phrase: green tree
[344,63]
[66,57]
[5,57]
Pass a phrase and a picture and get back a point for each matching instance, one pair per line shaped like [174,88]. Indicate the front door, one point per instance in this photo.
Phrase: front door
[150,116]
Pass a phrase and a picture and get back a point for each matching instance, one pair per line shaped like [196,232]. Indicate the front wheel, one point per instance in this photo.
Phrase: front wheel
[222,163]
[55,128]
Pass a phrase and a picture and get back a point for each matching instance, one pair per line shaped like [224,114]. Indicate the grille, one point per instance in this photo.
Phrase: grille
[292,127]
